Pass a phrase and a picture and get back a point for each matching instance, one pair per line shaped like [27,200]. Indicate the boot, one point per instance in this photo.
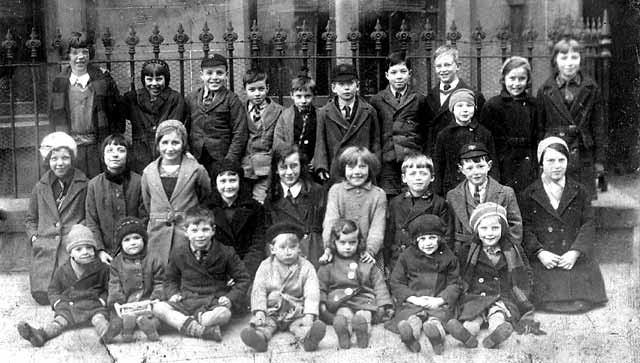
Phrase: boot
[212,333]
[341,328]
[499,335]
[253,338]
[435,337]
[361,330]
[36,337]
[115,327]
[407,337]
[148,326]
[458,331]
[314,336]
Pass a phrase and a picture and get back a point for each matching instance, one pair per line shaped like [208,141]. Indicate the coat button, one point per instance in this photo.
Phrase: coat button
[351,275]
[348,291]
[496,278]
[483,294]
[550,229]
[57,225]
[481,280]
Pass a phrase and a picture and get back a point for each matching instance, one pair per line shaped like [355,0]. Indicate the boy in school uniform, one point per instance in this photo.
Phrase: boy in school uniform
[404,115]
[464,129]
[479,187]
[216,119]
[297,123]
[84,103]
[418,200]
[199,298]
[347,120]
[446,66]
[263,113]
[78,292]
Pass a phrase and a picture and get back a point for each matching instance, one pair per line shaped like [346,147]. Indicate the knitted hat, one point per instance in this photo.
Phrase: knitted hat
[128,225]
[56,140]
[80,235]
[168,126]
[214,61]
[227,165]
[344,73]
[550,141]
[472,150]
[426,224]
[461,95]
[282,228]
[487,209]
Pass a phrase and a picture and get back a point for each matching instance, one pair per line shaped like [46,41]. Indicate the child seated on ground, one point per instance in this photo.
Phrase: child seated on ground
[425,284]
[419,199]
[134,277]
[199,300]
[496,281]
[285,294]
[78,292]
[352,290]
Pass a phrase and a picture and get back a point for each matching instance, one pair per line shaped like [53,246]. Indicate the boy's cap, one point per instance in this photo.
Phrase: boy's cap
[227,165]
[128,225]
[461,95]
[485,210]
[282,228]
[473,150]
[426,224]
[214,61]
[344,73]
[549,141]
[80,235]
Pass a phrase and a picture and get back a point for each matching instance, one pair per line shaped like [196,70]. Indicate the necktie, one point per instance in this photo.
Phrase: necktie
[398,96]
[200,255]
[59,193]
[476,195]
[256,113]
[290,197]
[347,113]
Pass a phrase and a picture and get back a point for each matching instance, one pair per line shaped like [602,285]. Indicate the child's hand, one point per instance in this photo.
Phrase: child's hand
[568,259]
[417,300]
[389,312]
[366,257]
[175,298]
[326,257]
[224,301]
[548,259]
[105,257]
[258,319]
[434,302]
[323,174]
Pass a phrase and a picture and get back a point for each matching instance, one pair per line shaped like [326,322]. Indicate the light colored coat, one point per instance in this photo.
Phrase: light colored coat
[257,160]
[165,214]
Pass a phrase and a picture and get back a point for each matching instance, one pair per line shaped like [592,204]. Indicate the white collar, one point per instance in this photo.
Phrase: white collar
[83,80]
[402,91]
[341,104]
[453,84]
[483,187]
[295,189]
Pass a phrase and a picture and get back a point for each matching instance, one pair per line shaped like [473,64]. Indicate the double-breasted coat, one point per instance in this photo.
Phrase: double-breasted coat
[135,278]
[442,117]
[582,125]
[307,212]
[51,225]
[513,122]
[145,116]
[403,126]
[570,227]
[334,134]
[107,202]
[166,213]
[257,159]
[461,206]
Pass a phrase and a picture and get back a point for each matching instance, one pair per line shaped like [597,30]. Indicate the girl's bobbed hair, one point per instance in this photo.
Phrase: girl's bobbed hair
[564,45]
[346,226]
[155,67]
[280,154]
[513,63]
[115,139]
[350,156]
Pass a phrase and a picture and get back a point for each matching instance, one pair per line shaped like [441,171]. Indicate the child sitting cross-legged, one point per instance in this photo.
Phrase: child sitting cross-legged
[425,284]
[199,299]
[135,277]
[352,290]
[78,292]
[285,293]
[496,280]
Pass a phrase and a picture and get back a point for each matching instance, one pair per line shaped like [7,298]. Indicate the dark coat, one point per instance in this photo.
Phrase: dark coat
[220,128]
[284,132]
[79,299]
[513,124]
[368,288]
[51,226]
[401,211]
[583,126]
[486,283]
[461,232]
[195,280]
[404,127]
[145,116]
[257,159]
[333,134]
[135,279]
[245,232]
[571,227]
[448,144]
[442,117]
[307,212]
[106,203]
[105,116]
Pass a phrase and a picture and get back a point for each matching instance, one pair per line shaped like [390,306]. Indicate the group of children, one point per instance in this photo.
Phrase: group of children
[231,216]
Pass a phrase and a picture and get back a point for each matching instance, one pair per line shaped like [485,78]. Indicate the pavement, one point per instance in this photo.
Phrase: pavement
[608,334]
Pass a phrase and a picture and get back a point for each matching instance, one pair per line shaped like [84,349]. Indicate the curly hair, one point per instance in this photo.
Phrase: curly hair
[346,226]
